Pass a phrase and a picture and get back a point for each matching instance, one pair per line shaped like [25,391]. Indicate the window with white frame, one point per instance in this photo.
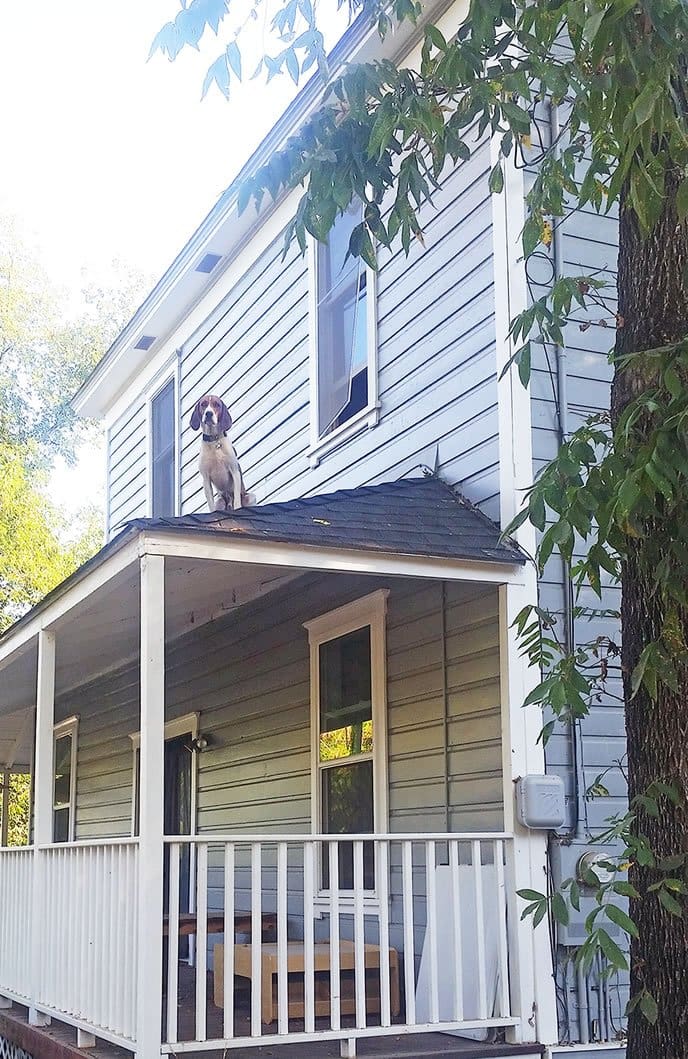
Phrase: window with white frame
[344,369]
[163,449]
[349,730]
[64,779]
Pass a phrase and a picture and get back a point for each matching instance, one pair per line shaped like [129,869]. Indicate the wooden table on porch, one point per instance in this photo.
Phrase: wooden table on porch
[295,969]
[188,924]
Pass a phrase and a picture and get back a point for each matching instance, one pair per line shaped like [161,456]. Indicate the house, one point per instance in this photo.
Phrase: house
[274,752]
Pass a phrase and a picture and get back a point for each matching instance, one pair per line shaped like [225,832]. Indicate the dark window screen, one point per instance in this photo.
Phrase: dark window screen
[163,437]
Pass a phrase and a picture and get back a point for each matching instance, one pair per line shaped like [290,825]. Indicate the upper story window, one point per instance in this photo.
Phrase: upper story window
[163,448]
[349,731]
[343,334]
[64,780]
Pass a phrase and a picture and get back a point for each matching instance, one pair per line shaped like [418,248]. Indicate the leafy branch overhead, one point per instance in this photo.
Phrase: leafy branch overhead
[385,133]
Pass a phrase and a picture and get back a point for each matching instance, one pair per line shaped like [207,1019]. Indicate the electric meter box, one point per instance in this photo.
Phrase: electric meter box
[540,802]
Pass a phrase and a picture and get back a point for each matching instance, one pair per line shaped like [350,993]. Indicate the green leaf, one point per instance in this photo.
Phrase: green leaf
[496,181]
[531,895]
[670,903]
[612,951]
[618,916]
[625,889]
[559,909]
[649,1008]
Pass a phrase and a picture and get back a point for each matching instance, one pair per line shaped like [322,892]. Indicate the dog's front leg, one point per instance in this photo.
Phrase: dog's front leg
[209,494]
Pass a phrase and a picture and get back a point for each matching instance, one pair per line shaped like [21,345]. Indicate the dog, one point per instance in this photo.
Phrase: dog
[218,461]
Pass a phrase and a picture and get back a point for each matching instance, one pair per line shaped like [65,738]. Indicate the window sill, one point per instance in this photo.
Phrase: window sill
[367,417]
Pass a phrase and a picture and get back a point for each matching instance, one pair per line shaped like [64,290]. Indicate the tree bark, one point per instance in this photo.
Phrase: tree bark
[653,306]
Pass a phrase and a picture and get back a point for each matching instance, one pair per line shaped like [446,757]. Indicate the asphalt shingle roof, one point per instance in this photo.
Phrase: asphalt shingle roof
[413,516]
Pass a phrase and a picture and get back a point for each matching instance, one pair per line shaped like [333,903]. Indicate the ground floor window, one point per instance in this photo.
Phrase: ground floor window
[348,723]
[64,780]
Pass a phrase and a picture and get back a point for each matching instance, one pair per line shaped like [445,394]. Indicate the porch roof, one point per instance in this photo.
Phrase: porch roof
[412,516]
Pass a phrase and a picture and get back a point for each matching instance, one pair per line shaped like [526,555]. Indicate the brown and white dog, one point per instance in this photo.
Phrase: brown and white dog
[218,461]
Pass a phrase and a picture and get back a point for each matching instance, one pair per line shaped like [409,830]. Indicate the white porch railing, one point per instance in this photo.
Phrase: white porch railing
[85,929]
[359,922]
[16,875]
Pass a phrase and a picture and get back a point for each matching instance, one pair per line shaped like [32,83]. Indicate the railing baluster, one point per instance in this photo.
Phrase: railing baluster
[431,915]
[228,968]
[382,888]
[201,939]
[335,972]
[504,1005]
[359,942]
[308,924]
[480,922]
[282,966]
[409,943]
[456,933]
[256,939]
[172,941]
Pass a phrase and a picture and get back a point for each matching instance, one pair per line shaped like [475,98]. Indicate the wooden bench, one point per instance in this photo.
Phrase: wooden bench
[188,924]
[295,971]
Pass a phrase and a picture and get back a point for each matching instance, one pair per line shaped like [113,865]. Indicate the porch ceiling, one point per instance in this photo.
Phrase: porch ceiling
[102,631]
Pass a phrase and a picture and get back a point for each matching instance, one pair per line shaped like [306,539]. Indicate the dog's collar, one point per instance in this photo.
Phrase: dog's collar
[215,437]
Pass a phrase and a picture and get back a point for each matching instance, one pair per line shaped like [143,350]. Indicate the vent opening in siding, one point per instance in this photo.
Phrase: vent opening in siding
[145,342]
[208,263]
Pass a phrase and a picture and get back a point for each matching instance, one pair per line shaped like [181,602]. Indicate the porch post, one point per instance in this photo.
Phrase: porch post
[532,979]
[42,803]
[150,851]
[4,830]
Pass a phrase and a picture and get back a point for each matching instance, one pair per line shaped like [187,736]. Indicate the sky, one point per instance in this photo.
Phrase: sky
[107,156]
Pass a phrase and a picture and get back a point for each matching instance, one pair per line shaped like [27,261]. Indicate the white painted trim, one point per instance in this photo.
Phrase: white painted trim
[370,610]
[169,372]
[70,726]
[532,979]
[513,400]
[150,861]
[306,557]
[366,417]
[186,725]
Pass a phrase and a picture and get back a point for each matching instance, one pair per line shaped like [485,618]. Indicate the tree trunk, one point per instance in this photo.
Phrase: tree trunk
[653,305]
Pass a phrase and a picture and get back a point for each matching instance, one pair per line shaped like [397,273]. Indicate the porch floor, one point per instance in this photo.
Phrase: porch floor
[58,1041]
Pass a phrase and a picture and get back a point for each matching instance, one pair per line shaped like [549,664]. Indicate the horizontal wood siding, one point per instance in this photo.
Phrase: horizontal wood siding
[249,678]
[126,467]
[437,384]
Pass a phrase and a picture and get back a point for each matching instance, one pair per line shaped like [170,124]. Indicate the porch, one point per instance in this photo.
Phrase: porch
[418,905]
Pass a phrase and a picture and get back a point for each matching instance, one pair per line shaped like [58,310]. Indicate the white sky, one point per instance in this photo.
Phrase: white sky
[107,156]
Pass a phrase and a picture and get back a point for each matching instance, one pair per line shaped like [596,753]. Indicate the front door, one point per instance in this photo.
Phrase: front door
[177,817]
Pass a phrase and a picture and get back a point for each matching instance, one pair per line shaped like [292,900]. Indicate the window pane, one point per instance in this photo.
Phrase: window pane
[163,443]
[331,255]
[63,771]
[61,825]
[347,799]
[346,711]
[342,328]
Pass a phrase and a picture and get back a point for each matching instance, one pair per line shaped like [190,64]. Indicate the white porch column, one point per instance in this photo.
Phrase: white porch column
[4,828]
[42,802]
[150,872]
[532,986]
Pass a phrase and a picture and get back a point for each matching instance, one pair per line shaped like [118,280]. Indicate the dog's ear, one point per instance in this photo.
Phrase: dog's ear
[196,416]
[225,418]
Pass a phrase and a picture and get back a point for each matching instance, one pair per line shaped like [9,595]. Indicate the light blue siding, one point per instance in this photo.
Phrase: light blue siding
[437,379]
[127,473]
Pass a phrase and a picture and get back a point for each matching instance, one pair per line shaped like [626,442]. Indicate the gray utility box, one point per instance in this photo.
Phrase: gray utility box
[564,859]
[540,802]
